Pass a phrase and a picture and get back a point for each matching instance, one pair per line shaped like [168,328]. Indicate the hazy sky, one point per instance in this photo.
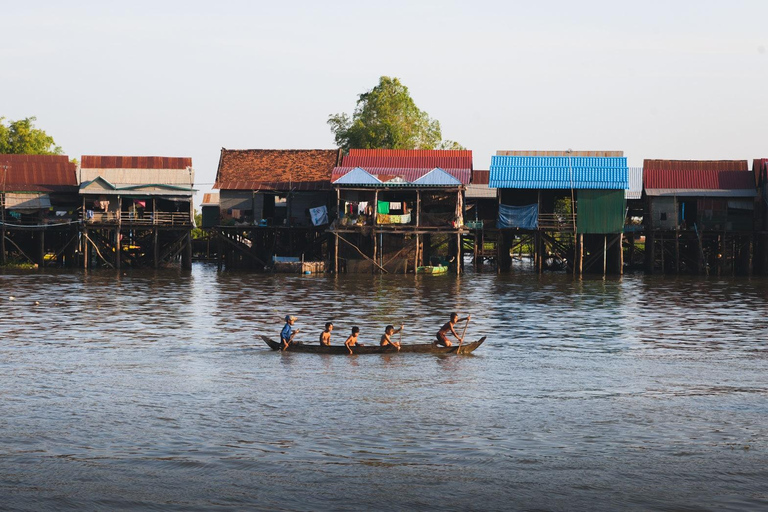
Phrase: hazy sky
[674,79]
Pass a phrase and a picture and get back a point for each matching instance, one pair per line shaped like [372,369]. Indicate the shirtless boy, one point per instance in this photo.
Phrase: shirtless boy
[386,338]
[352,340]
[325,336]
[441,336]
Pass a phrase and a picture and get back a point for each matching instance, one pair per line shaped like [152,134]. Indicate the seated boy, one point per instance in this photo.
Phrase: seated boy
[386,338]
[325,336]
[352,340]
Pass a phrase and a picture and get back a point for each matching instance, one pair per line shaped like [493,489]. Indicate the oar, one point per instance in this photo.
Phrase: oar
[458,349]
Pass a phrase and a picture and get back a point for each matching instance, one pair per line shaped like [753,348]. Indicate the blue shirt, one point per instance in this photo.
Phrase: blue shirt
[285,334]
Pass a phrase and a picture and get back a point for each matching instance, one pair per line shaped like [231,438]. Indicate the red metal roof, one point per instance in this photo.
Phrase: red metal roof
[37,173]
[135,162]
[408,174]
[698,175]
[276,169]
[408,158]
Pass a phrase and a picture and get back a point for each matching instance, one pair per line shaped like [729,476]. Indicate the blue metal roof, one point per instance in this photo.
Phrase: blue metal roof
[437,176]
[559,172]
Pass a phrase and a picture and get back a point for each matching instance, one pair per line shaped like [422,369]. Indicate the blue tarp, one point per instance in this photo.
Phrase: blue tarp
[523,217]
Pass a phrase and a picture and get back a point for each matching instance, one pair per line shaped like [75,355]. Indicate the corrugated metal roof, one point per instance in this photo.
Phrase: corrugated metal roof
[695,165]
[134,162]
[706,179]
[480,177]
[760,169]
[408,158]
[31,201]
[635,183]
[559,172]
[210,198]
[138,176]
[277,186]
[437,177]
[700,192]
[479,191]
[560,152]
[357,176]
[43,173]
[410,175]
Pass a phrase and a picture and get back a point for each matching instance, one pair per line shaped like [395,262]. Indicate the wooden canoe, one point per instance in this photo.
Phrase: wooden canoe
[420,348]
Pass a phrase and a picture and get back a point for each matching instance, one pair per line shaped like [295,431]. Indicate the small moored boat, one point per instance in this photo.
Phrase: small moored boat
[434,270]
[419,348]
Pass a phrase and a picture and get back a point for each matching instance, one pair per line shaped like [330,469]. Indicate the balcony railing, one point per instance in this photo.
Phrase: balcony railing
[145,219]
[556,222]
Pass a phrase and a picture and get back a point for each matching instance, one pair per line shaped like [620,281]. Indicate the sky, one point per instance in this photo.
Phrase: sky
[671,79]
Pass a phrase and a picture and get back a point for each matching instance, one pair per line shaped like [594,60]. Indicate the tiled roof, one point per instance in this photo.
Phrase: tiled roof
[276,169]
[407,174]
[37,173]
[134,162]
[559,172]
[408,158]
[697,175]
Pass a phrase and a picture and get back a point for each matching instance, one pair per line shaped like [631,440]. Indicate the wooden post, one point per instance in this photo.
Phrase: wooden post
[458,254]
[418,251]
[220,251]
[677,250]
[621,254]
[156,247]
[581,254]
[661,239]
[186,255]
[86,249]
[605,254]
[375,247]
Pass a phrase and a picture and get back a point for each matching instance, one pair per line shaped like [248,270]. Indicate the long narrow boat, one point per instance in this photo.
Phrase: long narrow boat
[420,348]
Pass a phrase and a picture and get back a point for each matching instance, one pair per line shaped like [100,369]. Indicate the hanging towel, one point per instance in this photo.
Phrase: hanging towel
[384,207]
[319,215]
[395,206]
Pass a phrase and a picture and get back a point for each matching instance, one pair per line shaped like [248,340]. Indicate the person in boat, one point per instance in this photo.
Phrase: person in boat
[325,336]
[442,334]
[386,338]
[288,332]
[352,340]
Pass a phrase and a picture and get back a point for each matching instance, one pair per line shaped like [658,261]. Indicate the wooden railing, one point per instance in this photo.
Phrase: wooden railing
[145,219]
[556,222]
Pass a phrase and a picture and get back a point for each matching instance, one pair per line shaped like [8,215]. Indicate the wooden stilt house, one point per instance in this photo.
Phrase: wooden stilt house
[400,210]
[699,216]
[482,210]
[274,206]
[39,210]
[634,236]
[137,211]
[760,170]
[568,207]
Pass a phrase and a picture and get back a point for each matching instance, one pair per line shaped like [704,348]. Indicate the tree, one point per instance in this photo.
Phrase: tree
[386,117]
[22,138]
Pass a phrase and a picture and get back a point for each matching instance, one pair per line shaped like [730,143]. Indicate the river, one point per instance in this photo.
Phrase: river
[150,390]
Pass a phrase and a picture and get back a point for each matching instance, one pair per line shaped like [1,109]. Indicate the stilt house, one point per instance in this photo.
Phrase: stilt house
[482,210]
[760,170]
[39,204]
[567,206]
[634,255]
[400,210]
[699,216]
[274,205]
[137,210]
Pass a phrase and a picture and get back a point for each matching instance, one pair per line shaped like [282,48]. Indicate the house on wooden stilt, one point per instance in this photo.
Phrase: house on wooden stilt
[699,216]
[274,207]
[760,170]
[137,210]
[482,209]
[400,210]
[38,210]
[568,207]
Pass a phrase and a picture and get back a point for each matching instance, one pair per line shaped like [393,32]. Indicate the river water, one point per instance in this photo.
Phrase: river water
[149,390]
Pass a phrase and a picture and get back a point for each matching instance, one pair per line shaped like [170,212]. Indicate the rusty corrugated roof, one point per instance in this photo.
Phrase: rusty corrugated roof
[134,162]
[480,177]
[276,169]
[37,173]
[697,175]
[408,158]
[760,169]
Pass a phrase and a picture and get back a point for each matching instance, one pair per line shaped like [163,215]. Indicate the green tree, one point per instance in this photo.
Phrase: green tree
[22,138]
[386,117]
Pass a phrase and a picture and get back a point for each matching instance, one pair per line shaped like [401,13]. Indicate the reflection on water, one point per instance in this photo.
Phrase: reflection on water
[150,390]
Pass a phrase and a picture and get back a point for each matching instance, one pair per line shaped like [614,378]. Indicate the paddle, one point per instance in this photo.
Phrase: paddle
[458,349]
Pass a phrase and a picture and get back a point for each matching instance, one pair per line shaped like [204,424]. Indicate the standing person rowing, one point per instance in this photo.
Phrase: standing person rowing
[442,338]
[287,334]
